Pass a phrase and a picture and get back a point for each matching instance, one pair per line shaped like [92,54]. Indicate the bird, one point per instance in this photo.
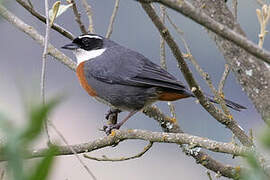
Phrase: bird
[124,79]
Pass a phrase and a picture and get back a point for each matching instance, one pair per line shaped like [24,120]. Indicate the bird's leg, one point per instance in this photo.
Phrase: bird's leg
[112,116]
[109,128]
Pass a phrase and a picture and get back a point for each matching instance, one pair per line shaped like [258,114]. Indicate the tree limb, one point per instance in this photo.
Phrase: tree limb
[161,137]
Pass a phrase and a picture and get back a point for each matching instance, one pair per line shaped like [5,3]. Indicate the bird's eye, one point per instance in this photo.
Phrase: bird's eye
[86,41]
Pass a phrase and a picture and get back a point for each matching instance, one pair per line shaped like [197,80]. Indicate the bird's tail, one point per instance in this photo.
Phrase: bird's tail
[230,104]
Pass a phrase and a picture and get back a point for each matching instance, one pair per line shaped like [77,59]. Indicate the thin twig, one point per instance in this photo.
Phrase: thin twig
[263,17]
[105,158]
[185,8]
[223,78]
[178,30]
[162,41]
[78,17]
[56,27]
[261,2]
[209,175]
[110,27]
[89,13]
[235,5]
[30,4]
[163,57]
[73,151]
[43,70]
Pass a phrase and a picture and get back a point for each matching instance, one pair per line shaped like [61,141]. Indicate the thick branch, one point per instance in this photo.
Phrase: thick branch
[200,17]
[161,137]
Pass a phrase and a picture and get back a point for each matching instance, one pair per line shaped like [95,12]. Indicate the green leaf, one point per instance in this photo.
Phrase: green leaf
[5,124]
[255,172]
[265,138]
[12,151]
[37,117]
[43,168]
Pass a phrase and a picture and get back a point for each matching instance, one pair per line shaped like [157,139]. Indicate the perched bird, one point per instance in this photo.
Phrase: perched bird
[124,79]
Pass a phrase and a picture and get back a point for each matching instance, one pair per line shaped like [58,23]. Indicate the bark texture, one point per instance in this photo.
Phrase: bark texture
[252,74]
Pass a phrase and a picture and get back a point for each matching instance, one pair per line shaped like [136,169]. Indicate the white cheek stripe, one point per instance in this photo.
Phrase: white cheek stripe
[83,55]
[90,36]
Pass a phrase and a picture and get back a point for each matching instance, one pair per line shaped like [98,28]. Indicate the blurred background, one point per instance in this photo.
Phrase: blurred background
[79,117]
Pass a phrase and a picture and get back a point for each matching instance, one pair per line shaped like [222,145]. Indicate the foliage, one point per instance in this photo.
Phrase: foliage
[255,171]
[18,140]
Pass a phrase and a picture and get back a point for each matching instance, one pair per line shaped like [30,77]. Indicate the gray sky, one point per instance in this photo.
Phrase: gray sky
[79,117]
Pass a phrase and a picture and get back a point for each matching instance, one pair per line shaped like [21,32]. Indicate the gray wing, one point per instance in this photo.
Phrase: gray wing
[119,65]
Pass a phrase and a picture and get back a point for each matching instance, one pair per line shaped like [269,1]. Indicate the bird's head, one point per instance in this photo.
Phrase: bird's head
[87,47]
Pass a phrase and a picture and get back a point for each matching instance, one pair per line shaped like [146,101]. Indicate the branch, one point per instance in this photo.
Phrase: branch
[229,123]
[43,68]
[105,158]
[110,28]
[234,6]
[73,151]
[163,57]
[198,16]
[89,13]
[78,17]
[205,76]
[263,18]
[161,137]
[223,79]
[56,27]
[168,125]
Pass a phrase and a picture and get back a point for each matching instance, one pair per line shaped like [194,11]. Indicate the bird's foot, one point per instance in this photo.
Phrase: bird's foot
[108,129]
[112,112]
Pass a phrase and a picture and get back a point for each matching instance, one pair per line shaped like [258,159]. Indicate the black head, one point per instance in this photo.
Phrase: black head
[86,42]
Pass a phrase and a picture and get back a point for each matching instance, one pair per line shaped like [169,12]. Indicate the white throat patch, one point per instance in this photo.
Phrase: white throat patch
[83,55]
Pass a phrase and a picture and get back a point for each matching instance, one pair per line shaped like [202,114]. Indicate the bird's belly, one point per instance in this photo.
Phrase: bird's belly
[123,97]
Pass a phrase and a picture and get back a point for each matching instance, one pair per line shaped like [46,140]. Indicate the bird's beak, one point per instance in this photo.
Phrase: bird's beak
[71,46]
